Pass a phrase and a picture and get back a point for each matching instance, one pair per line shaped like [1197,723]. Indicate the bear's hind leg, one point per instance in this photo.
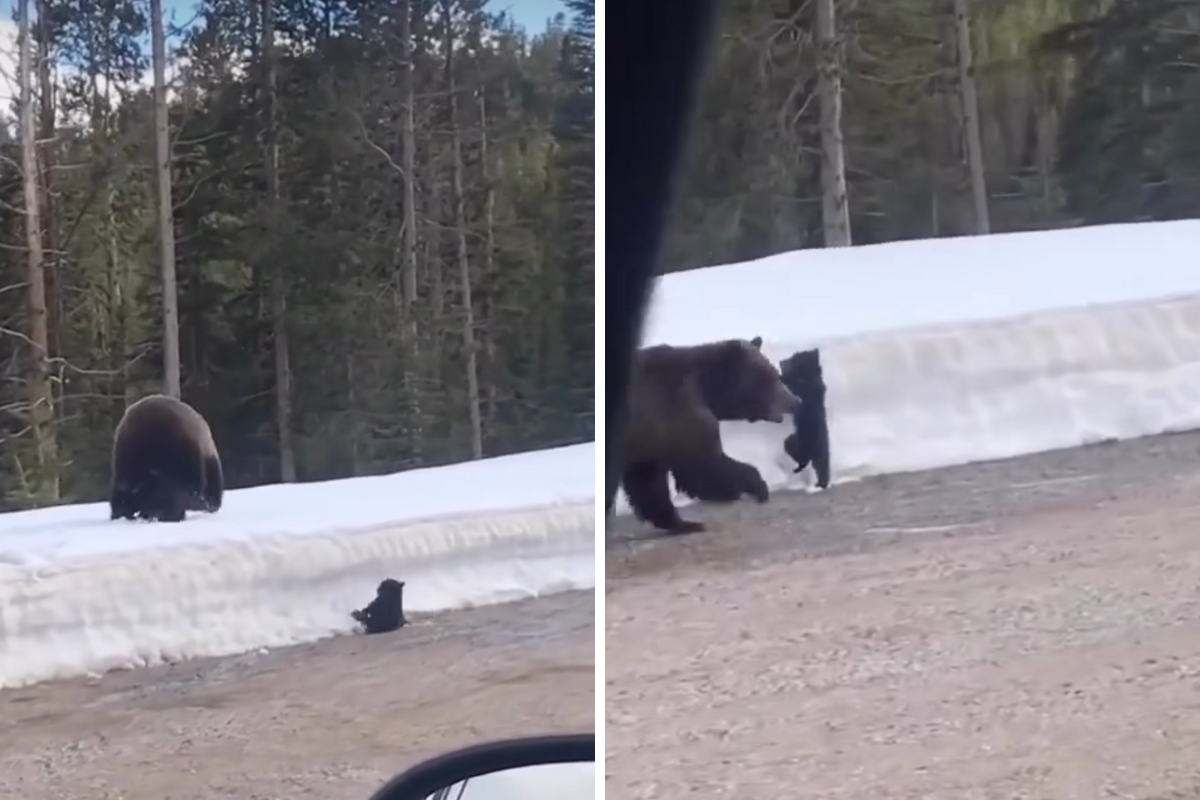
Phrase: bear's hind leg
[214,483]
[820,459]
[797,451]
[174,505]
[648,488]
[122,504]
[164,501]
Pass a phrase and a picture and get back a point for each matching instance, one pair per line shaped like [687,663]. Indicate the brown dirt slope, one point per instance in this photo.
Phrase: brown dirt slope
[326,721]
[1019,629]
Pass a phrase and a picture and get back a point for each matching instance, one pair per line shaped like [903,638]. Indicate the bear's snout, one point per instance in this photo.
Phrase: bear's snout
[784,403]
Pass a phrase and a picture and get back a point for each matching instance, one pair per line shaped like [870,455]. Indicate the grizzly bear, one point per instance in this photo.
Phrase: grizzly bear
[809,442]
[164,462]
[677,397]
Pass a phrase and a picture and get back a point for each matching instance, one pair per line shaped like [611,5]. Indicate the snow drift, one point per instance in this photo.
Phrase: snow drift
[1020,371]
[285,564]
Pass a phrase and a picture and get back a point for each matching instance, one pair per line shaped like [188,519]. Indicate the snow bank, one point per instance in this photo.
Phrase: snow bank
[819,294]
[559,476]
[908,390]
[281,565]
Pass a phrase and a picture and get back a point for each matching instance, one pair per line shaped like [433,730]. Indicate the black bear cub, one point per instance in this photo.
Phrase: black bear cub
[164,462]
[385,613]
[809,442]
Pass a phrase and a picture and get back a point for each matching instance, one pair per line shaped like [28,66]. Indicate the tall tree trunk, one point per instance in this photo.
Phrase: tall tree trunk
[166,216]
[970,110]
[435,275]
[44,487]
[460,227]
[46,135]
[117,343]
[835,206]
[489,254]
[278,286]
[408,244]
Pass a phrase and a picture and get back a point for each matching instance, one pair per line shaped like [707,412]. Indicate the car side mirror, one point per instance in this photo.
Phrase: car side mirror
[562,766]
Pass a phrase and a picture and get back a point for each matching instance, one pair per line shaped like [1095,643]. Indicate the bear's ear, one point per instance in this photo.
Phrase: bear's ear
[757,342]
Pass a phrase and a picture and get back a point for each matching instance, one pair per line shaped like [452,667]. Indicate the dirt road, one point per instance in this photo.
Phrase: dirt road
[1019,629]
[327,721]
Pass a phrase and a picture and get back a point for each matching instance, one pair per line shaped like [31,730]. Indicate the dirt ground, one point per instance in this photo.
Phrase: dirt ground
[326,721]
[1018,629]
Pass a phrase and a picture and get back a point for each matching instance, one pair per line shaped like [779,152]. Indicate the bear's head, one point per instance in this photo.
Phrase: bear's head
[801,373]
[804,365]
[390,588]
[740,383]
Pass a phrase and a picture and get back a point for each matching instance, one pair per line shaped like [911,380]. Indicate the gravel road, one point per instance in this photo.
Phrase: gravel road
[1019,629]
[326,721]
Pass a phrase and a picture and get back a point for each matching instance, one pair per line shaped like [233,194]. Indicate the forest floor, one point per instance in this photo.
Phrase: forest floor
[1027,628]
[331,720]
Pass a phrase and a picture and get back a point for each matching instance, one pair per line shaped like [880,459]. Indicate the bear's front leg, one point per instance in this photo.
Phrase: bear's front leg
[748,479]
[709,483]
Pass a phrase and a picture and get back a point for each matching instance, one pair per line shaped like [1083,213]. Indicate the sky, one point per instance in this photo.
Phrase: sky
[530,14]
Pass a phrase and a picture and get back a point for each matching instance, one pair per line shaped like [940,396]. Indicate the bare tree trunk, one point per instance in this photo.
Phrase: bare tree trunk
[835,206]
[40,395]
[408,256]
[46,135]
[408,162]
[166,217]
[433,205]
[1047,125]
[489,264]
[117,343]
[970,110]
[460,228]
[278,287]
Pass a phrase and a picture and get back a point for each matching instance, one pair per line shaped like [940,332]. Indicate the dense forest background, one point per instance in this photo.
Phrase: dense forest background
[831,122]
[356,235]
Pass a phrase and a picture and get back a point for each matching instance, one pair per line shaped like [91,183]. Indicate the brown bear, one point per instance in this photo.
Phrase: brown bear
[677,397]
[164,462]
[809,442]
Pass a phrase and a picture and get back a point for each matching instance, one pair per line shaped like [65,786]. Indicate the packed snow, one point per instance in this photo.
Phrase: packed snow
[560,476]
[280,565]
[811,295]
[950,351]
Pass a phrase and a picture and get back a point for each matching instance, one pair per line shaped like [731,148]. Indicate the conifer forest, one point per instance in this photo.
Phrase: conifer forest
[843,122]
[357,236]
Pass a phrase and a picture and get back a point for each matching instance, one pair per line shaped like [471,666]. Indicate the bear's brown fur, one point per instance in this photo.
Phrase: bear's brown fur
[677,397]
[164,462]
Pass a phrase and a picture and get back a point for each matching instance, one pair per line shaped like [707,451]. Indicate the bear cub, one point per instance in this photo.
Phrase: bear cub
[809,442]
[385,613]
